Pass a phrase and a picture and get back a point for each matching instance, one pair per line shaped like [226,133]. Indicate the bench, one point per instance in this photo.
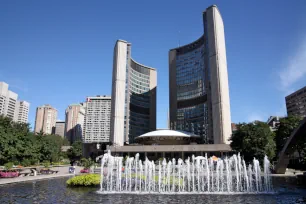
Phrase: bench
[24,174]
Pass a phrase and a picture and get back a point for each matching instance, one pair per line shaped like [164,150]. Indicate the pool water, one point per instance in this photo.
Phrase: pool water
[55,191]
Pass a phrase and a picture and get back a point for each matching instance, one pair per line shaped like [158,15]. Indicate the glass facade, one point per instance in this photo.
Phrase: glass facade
[191,96]
[139,98]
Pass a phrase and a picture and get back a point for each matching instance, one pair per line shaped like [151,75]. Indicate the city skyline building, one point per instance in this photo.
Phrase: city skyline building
[133,111]
[23,111]
[59,128]
[296,103]
[198,81]
[8,101]
[74,119]
[97,119]
[45,119]
[18,111]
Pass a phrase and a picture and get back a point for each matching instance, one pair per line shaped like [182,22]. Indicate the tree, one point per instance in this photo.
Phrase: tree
[19,145]
[285,129]
[253,140]
[75,152]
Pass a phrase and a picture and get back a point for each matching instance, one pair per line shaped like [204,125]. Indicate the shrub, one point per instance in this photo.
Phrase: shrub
[26,162]
[87,163]
[84,180]
[46,164]
[8,166]
[33,161]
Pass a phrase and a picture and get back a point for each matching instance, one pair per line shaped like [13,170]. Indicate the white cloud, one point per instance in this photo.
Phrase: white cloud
[295,68]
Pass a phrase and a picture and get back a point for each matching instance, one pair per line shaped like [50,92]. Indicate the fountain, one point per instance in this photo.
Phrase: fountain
[194,175]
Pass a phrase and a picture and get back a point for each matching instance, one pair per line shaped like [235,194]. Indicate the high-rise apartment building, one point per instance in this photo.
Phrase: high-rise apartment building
[133,96]
[199,91]
[23,111]
[97,119]
[9,105]
[296,103]
[45,119]
[75,115]
[8,101]
[59,128]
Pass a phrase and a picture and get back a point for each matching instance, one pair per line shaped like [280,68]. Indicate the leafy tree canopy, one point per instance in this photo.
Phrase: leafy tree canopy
[286,127]
[75,152]
[19,145]
[253,140]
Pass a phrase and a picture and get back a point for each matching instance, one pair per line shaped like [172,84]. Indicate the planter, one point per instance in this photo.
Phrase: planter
[8,174]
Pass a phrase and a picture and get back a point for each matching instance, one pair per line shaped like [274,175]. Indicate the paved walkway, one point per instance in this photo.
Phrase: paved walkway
[62,172]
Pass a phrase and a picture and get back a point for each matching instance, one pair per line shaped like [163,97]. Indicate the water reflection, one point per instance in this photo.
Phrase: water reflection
[55,191]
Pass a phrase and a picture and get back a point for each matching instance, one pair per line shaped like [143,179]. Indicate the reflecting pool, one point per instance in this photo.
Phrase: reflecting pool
[55,191]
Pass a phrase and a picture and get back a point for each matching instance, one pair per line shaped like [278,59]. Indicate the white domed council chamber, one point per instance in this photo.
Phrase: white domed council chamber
[168,137]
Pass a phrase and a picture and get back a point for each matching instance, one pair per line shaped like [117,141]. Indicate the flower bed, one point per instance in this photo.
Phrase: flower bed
[8,174]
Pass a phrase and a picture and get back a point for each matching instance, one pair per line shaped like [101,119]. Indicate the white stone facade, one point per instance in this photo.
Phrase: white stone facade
[18,111]
[23,111]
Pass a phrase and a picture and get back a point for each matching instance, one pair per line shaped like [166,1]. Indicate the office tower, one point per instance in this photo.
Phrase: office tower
[45,119]
[97,119]
[296,103]
[199,92]
[133,96]
[23,111]
[8,101]
[59,128]
[75,115]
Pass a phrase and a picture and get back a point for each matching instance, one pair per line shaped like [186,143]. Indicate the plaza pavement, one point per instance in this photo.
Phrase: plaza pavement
[63,171]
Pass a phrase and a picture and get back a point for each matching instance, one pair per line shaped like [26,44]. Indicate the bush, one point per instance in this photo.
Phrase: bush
[26,162]
[87,163]
[8,166]
[46,164]
[33,161]
[85,180]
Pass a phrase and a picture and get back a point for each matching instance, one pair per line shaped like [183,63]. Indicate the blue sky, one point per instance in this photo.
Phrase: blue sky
[60,52]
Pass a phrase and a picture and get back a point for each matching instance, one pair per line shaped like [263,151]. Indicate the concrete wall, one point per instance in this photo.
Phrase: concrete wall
[153,90]
[118,93]
[219,76]
[172,86]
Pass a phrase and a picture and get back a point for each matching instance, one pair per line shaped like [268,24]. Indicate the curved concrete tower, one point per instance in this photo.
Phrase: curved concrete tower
[199,91]
[133,110]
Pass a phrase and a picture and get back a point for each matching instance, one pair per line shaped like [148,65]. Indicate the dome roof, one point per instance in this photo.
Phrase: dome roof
[168,133]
